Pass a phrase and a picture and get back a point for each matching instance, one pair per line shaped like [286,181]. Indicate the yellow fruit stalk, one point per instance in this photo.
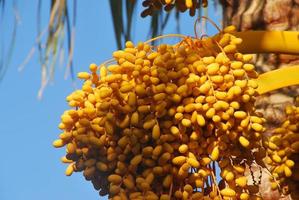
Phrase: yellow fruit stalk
[279,78]
[268,42]
[272,42]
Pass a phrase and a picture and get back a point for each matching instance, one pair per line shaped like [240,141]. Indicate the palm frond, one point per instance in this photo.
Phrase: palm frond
[122,22]
[2,70]
[6,58]
[130,11]
[155,25]
[177,19]
[117,15]
[165,20]
[55,27]
[59,25]
[71,39]
[2,5]
[13,38]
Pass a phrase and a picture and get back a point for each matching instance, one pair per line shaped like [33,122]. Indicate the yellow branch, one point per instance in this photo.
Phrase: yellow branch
[269,42]
[275,79]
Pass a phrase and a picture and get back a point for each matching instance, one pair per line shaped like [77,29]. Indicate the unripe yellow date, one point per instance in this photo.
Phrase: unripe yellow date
[136,160]
[193,162]
[241,181]
[149,124]
[156,132]
[243,141]
[179,160]
[244,196]
[114,178]
[183,148]
[83,75]
[228,192]
[257,127]
[58,143]
[69,170]
[215,153]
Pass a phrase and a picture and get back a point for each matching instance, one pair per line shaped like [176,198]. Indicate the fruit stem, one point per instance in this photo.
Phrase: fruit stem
[279,78]
[268,41]
[165,36]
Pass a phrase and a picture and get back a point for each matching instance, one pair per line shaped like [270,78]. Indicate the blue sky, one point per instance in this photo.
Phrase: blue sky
[30,168]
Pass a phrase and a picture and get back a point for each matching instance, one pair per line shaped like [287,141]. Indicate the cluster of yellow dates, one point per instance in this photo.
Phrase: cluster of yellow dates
[162,121]
[282,146]
[180,5]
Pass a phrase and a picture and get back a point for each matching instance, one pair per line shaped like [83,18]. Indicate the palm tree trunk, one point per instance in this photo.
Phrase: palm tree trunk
[268,15]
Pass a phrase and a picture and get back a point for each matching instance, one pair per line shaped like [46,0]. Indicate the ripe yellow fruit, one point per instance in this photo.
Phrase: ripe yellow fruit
[257,127]
[136,160]
[183,148]
[240,169]
[200,120]
[229,29]
[210,113]
[236,65]
[197,196]
[135,119]
[65,160]
[193,162]
[158,170]
[287,171]
[241,181]
[290,163]
[204,88]
[272,145]
[83,75]
[174,130]
[229,176]
[167,181]
[212,68]
[205,161]
[159,117]
[149,124]
[105,92]
[102,166]
[69,170]
[215,153]
[58,143]
[243,141]
[156,132]
[164,158]
[164,197]
[240,114]
[276,158]
[179,160]
[114,189]
[274,186]
[178,194]
[248,67]
[244,196]
[114,178]
[231,48]
[228,192]
[238,72]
